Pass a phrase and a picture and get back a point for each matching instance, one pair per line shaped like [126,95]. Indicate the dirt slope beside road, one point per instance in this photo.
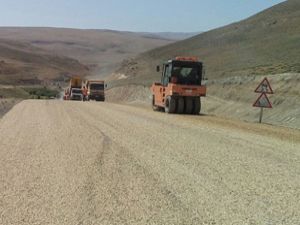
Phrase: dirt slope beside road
[6,105]
[233,97]
[100,163]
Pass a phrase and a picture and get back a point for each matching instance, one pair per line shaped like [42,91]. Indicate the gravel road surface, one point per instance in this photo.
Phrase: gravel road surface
[83,163]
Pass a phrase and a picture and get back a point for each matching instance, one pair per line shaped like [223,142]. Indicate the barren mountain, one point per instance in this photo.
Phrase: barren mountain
[176,36]
[23,63]
[101,50]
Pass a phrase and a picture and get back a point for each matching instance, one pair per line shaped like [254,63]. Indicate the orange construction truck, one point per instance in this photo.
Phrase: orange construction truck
[181,86]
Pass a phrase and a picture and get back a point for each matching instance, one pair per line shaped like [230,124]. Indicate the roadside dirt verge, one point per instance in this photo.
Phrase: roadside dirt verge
[233,97]
[6,105]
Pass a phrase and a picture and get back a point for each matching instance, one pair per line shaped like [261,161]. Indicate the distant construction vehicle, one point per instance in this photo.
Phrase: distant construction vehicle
[74,90]
[181,86]
[95,90]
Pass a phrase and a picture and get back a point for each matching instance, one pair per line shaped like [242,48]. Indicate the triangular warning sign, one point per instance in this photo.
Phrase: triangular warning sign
[264,87]
[263,101]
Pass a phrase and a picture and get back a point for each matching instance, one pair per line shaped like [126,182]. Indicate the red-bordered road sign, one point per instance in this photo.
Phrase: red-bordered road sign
[264,87]
[263,102]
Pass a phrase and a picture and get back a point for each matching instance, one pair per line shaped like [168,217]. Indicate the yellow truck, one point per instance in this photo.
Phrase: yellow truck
[74,90]
[95,90]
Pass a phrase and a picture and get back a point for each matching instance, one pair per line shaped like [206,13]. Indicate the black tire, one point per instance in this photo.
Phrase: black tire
[197,106]
[188,109]
[180,105]
[170,105]
[99,99]
[154,107]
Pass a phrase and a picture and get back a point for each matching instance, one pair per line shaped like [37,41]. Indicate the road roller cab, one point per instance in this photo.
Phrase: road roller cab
[181,86]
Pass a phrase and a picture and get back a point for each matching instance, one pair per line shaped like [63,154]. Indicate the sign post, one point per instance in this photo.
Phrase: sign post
[261,114]
[263,101]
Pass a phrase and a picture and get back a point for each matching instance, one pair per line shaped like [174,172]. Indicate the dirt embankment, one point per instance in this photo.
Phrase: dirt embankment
[7,104]
[233,97]
[134,94]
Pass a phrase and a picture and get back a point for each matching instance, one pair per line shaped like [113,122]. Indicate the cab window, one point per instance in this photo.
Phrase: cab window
[166,75]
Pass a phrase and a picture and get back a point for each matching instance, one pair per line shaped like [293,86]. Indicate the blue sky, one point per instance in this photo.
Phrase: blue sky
[130,15]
